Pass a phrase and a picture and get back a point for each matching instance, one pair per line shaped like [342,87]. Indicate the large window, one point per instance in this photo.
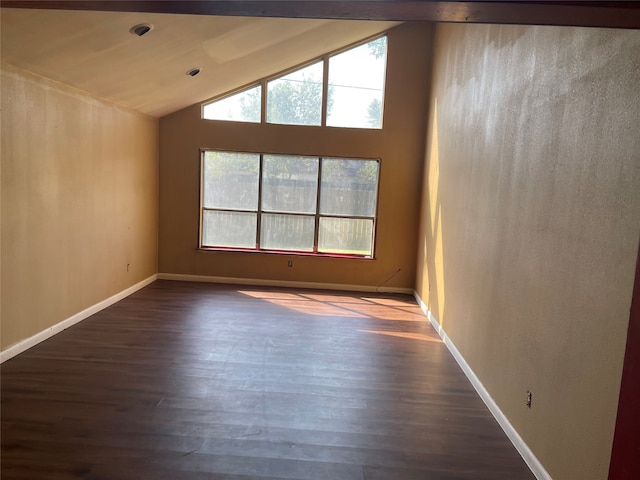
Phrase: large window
[345,89]
[287,203]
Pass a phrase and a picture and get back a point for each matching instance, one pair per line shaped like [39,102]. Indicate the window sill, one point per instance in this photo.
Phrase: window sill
[285,252]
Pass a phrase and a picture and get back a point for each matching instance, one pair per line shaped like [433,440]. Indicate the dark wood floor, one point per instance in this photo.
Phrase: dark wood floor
[201,381]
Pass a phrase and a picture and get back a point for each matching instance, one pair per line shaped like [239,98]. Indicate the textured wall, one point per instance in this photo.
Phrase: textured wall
[79,202]
[530,224]
[400,145]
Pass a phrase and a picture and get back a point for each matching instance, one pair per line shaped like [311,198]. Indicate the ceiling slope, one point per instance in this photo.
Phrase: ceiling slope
[95,52]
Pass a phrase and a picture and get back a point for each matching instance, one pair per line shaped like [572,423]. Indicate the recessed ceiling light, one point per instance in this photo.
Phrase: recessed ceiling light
[141,29]
[193,72]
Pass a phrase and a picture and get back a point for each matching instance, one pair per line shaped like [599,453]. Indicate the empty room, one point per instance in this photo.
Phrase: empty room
[319,240]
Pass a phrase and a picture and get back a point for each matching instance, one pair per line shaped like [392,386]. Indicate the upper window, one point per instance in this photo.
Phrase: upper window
[356,84]
[288,203]
[349,94]
[240,107]
[296,98]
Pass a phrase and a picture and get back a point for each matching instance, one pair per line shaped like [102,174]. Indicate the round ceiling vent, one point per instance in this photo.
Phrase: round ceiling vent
[141,29]
[193,72]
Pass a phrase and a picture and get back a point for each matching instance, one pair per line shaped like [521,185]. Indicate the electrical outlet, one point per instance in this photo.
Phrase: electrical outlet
[528,399]
[128,267]
[290,263]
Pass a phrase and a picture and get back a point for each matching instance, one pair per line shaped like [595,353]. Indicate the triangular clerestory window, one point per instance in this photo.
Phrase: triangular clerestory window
[344,89]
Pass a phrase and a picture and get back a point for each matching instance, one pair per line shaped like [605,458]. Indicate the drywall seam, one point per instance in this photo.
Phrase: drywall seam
[281,283]
[523,449]
[23,345]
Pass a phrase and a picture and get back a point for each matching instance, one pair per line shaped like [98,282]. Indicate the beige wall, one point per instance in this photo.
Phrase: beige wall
[530,224]
[400,145]
[79,202]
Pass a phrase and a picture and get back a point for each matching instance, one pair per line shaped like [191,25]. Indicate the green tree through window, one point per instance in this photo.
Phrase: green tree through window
[296,101]
[353,86]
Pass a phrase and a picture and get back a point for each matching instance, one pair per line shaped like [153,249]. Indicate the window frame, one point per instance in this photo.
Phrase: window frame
[316,215]
[264,81]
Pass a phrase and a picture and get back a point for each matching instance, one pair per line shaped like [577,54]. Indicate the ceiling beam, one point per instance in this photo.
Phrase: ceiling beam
[589,14]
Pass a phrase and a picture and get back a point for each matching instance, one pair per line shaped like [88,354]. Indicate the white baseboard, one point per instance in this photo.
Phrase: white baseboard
[523,449]
[258,282]
[23,345]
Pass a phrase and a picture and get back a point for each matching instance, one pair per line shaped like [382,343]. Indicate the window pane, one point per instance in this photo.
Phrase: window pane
[287,232]
[356,86]
[345,235]
[241,107]
[229,229]
[289,184]
[348,187]
[296,98]
[231,180]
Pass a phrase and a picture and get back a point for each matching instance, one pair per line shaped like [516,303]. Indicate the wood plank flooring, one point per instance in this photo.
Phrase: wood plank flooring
[201,381]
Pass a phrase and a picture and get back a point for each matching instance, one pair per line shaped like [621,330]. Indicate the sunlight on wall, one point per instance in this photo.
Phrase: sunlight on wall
[433,240]
[531,194]
[434,167]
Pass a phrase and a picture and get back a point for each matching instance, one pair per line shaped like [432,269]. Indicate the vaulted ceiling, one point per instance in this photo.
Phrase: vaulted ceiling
[87,43]
[95,51]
